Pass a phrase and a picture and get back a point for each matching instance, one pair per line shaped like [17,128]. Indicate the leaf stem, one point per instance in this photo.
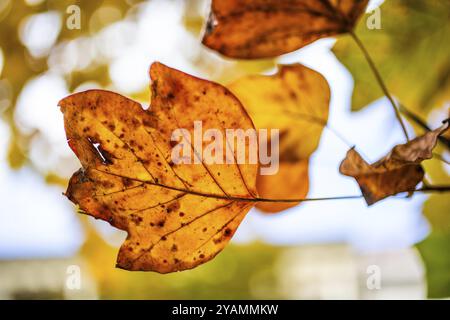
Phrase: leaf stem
[380,81]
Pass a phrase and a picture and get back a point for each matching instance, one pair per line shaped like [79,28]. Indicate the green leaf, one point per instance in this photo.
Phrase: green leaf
[434,249]
[436,257]
[411,51]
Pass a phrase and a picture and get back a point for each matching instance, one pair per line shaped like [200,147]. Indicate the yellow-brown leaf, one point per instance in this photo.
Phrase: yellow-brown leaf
[295,101]
[177,215]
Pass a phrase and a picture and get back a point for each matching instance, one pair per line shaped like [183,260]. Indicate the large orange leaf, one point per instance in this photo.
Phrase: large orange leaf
[249,29]
[399,171]
[296,101]
[177,215]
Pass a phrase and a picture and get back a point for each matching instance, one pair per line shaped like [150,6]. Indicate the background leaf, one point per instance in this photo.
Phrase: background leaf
[411,52]
[296,101]
[250,29]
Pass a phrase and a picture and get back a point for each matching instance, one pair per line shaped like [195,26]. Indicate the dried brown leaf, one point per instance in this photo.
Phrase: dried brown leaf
[249,29]
[399,171]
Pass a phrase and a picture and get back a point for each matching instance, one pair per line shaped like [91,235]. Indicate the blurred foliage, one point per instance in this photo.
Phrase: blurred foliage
[435,248]
[411,52]
[194,16]
[20,65]
[15,53]
[436,256]
[16,155]
[239,272]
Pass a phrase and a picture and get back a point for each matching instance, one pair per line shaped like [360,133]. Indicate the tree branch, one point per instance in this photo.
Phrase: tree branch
[439,189]
[422,124]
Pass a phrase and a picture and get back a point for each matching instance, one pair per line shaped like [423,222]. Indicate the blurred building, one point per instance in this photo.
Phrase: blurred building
[337,272]
[46,279]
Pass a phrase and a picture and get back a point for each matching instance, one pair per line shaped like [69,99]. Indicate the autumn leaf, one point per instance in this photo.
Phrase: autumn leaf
[249,29]
[296,101]
[399,171]
[177,216]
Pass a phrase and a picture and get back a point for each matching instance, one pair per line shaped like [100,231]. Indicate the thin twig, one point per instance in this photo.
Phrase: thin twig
[439,189]
[422,124]
[226,197]
[426,189]
[413,117]
[335,132]
[380,81]
[257,199]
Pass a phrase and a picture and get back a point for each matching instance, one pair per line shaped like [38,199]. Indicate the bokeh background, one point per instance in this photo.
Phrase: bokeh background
[316,250]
